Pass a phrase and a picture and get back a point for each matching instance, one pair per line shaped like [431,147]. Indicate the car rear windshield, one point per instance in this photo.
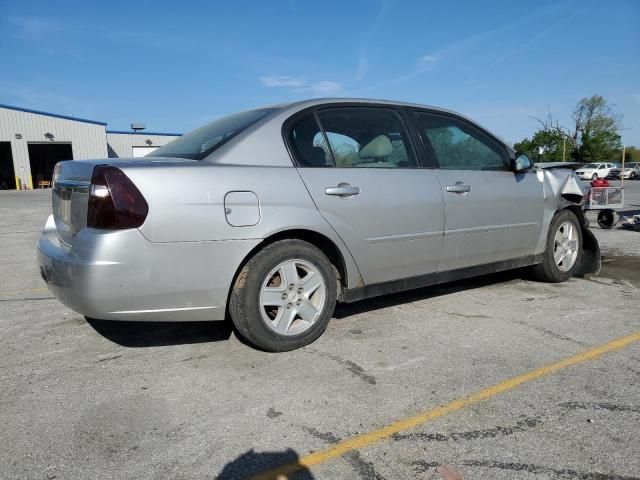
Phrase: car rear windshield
[201,142]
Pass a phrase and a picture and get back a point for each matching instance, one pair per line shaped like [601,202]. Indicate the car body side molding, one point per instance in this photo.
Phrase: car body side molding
[430,279]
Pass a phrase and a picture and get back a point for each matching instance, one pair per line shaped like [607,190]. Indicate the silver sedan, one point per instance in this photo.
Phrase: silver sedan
[271,216]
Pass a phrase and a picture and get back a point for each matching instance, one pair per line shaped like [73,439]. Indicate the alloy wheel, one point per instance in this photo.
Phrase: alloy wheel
[565,246]
[292,297]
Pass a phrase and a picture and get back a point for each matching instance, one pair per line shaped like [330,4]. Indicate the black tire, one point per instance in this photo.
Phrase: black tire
[244,301]
[607,218]
[632,176]
[548,271]
[594,177]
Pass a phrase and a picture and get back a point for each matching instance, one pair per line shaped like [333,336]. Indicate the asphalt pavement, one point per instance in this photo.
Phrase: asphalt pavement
[383,394]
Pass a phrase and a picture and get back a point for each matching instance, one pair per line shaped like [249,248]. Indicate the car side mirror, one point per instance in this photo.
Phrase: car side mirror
[521,163]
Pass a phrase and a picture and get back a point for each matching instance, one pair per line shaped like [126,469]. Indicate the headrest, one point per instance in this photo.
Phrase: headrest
[379,147]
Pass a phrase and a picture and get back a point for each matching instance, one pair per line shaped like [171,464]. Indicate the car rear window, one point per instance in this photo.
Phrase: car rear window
[199,143]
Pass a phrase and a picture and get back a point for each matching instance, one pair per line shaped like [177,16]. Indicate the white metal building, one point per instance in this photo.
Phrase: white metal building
[32,142]
[135,144]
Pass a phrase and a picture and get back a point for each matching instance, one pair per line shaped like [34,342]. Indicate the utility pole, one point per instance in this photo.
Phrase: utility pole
[622,169]
[564,147]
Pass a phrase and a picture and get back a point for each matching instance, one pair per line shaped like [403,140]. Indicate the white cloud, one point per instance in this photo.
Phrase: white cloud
[36,27]
[41,99]
[326,87]
[300,85]
[473,47]
[282,81]
[363,65]
[27,94]
[429,59]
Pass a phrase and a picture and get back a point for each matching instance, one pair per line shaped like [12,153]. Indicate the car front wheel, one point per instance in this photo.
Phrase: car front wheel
[284,296]
[594,177]
[563,250]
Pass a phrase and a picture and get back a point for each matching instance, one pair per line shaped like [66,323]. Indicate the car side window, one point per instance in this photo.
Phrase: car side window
[309,145]
[459,145]
[367,137]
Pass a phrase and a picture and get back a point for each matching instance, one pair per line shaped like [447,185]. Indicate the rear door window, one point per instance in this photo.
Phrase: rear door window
[309,144]
[367,137]
[352,137]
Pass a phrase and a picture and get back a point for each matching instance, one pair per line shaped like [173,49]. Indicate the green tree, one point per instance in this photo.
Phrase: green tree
[632,154]
[592,137]
[596,130]
[549,144]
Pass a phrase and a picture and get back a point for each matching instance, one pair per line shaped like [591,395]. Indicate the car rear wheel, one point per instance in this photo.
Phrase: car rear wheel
[284,296]
[564,249]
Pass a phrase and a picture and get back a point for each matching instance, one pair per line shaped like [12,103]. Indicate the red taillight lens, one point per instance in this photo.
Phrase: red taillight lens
[114,201]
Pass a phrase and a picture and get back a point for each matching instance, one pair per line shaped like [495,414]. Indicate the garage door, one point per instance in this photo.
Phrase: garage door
[43,158]
[7,174]
[142,151]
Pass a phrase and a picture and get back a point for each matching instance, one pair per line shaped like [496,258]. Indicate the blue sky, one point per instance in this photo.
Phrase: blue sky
[176,67]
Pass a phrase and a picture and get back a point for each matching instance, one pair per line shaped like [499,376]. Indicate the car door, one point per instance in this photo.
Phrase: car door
[360,166]
[603,171]
[491,213]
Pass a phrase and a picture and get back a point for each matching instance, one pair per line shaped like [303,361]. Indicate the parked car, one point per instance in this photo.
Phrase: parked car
[631,170]
[591,171]
[615,172]
[274,214]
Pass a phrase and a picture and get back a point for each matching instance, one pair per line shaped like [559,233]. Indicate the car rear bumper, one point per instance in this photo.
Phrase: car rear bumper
[120,275]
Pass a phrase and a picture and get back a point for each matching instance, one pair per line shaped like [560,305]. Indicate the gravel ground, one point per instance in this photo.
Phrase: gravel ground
[101,400]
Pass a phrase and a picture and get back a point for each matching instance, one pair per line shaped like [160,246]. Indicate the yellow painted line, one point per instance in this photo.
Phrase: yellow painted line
[26,290]
[373,436]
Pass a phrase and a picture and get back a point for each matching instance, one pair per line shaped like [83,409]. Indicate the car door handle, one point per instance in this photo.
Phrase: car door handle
[342,190]
[459,187]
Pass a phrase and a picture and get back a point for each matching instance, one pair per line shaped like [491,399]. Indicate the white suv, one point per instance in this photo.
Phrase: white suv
[591,171]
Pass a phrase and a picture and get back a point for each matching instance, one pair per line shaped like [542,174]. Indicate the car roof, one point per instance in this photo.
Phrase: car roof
[377,101]
[312,102]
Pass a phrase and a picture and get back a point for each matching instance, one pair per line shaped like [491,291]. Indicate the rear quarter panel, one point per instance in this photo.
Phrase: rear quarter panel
[187,204]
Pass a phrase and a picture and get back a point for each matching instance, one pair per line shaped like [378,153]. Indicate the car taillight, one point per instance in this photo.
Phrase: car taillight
[114,201]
